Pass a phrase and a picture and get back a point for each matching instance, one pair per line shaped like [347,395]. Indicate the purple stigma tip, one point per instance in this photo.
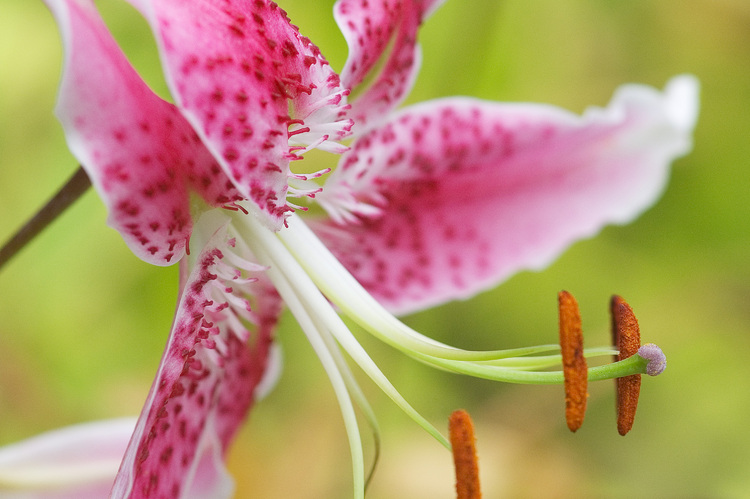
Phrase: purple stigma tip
[657,361]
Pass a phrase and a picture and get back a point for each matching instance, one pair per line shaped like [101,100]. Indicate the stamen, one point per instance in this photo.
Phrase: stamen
[464,455]
[626,336]
[574,362]
[282,266]
[325,349]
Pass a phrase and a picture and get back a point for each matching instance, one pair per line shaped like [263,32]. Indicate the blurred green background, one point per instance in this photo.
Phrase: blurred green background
[83,322]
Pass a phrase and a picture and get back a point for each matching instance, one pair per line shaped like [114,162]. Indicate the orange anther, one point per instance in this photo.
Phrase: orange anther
[464,455]
[574,363]
[626,337]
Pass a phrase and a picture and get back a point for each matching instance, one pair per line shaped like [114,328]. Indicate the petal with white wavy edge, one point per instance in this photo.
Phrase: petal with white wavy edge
[206,382]
[233,68]
[141,154]
[453,196]
[75,462]
[382,40]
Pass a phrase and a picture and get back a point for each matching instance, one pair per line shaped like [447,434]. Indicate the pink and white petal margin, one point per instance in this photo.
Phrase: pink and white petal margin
[76,462]
[451,197]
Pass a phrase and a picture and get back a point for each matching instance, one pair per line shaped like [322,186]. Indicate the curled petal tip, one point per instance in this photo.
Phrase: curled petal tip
[657,361]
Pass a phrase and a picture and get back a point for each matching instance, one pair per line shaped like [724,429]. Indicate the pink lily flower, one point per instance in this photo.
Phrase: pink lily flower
[429,203]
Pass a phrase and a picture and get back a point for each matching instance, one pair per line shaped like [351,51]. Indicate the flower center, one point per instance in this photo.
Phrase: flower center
[310,279]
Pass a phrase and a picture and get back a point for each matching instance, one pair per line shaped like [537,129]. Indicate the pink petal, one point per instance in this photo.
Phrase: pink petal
[75,462]
[140,153]
[468,193]
[375,30]
[233,67]
[205,385]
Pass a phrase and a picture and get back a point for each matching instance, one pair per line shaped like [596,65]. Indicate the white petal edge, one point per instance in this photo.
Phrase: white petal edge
[73,456]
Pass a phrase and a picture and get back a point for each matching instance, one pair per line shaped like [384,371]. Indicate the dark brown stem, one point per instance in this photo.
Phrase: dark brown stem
[66,196]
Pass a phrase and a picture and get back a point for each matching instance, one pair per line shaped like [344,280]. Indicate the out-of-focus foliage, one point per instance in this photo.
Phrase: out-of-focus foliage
[83,322]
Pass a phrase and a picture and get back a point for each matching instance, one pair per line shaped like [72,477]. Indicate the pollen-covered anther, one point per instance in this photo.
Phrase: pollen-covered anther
[574,363]
[626,337]
[463,445]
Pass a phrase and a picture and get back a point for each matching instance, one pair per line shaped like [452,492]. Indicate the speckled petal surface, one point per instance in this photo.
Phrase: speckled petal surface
[233,67]
[141,154]
[467,192]
[205,384]
[381,33]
